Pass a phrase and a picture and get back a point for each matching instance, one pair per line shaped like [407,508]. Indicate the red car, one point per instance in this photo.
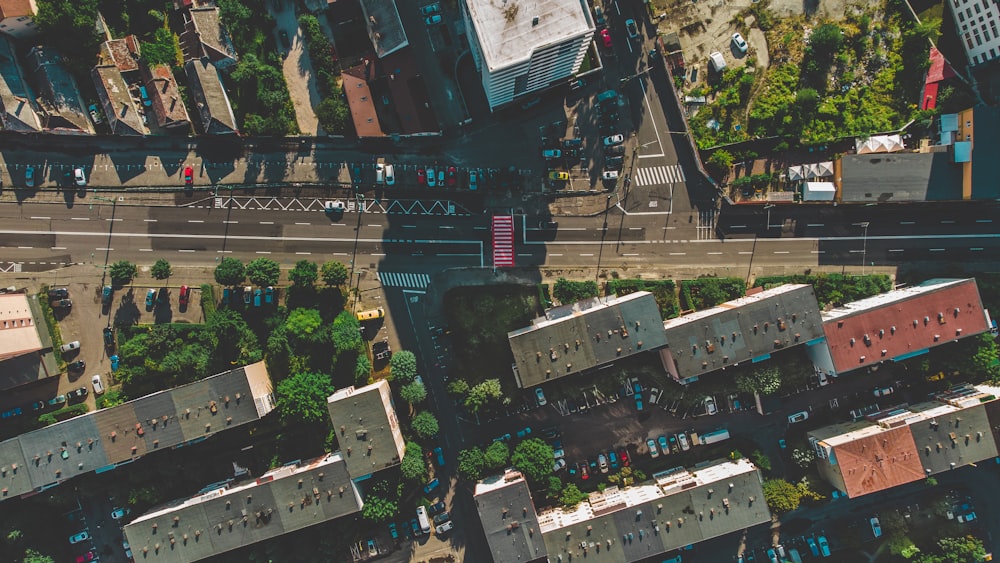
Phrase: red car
[188,176]
[184,296]
[584,474]
[89,556]
[623,455]
[421,176]
[606,36]
[452,175]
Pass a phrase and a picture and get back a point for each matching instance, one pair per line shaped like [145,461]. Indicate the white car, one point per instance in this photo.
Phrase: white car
[540,396]
[390,175]
[446,527]
[682,439]
[98,386]
[431,178]
[710,407]
[883,391]
[79,177]
[558,454]
[876,527]
[797,417]
[654,396]
[70,346]
[739,43]
[653,452]
[613,140]
[559,465]
[610,175]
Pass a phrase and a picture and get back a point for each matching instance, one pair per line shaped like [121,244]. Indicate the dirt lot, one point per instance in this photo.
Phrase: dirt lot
[704,27]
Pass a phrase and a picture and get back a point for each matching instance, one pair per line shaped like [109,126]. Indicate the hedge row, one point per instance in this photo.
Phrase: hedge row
[664,291]
[834,289]
[704,293]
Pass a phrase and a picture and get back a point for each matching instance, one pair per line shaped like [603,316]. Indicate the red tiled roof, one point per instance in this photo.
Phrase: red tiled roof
[359,99]
[939,69]
[897,328]
[877,462]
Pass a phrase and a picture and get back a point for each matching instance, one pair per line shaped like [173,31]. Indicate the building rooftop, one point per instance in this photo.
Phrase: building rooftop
[367,428]
[213,522]
[123,53]
[212,34]
[581,336]
[16,98]
[119,107]
[165,96]
[986,169]
[509,31]
[17,8]
[18,332]
[107,437]
[58,91]
[209,97]
[680,507]
[903,323]
[866,458]
[900,177]
[360,101]
[384,26]
[747,328]
[507,514]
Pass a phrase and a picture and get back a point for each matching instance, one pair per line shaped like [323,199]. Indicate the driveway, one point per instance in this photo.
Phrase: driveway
[298,69]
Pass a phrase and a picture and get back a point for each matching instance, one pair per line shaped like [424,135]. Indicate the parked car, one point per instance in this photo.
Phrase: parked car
[812,546]
[119,513]
[613,163]
[431,486]
[442,518]
[258,296]
[609,175]
[78,393]
[710,407]
[473,180]
[109,336]
[334,208]
[797,417]
[549,154]
[431,178]
[421,176]
[57,400]
[269,295]
[62,304]
[599,17]
[70,346]
[876,527]
[59,293]
[436,507]
[524,432]
[558,176]
[653,452]
[617,150]
[79,177]
[606,38]
[390,175]
[150,299]
[11,413]
[430,9]
[183,296]
[654,395]
[664,447]
[540,397]
[559,465]
[29,176]
[623,454]
[824,547]
[452,176]
[637,389]
[883,391]
[439,455]
[247,294]
[106,294]
[739,43]
[188,176]
[445,528]
[613,140]
[80,537]
[632,29]
[37,405]
[612,459]
[433,20]
[602,463]
[95,114]
[682,439]
[96,382]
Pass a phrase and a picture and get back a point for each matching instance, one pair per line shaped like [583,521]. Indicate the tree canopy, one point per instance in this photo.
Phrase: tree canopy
[305,324]
[413,467]
[571,291]
[424,424]
[765,380]
[161,269]
[381,502]
[483,394]
[471,463]
[302,397]
[334,273]
[263,271]
[122,272]
[961,549]
[346,332]
[413,392]
[533,458]
[305,273]
[496,456]
[572,495]
[230,272]
[403,366]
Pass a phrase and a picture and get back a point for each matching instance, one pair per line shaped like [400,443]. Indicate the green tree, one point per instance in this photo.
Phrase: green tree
[424,424]
[806,100]
[803,457]
[70,28]
[413,392]
[458,387]
[305,324]
[377,507]
[964,549]
[332,114]
[161,270]
[32,556]
[230,272]
[825,40]
[302,397]
[362,369]
[483,394]
[305,273]
[720,162]
[471,463]
[975,356]
[555,488]
[346,332]
[122,272]
[533,458]
[263,271]
[765,381]
[334,273]
[761,460]
[165,48]
[496,456]
[571,291]
[901,544]
[413,467]
[781,496]
[572,496]
[403,367]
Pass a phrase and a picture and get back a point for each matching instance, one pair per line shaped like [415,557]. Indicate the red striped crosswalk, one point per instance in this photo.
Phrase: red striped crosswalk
[503,241]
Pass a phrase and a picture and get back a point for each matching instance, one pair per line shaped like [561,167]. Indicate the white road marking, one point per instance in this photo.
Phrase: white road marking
[586,255]
[304,253]
[781,252]
[984,220]
[907,223]
[106,249]
[26,247]
[714,253]
[977,248]
[446,227]
[80,218]
[678,253]
[303,223]
[58,248]
[145,250]
[554,254]
[895,250]
[376,226]
[627,254]
[404,226]
[195,221]
[267,222]
[150,220]
[814,224]
[45,218]
[263,252]
[745,252]
[230,222]
[185,250]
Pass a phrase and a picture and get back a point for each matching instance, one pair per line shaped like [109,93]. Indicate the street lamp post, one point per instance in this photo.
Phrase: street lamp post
[111,228]
[864,245]
[768,208]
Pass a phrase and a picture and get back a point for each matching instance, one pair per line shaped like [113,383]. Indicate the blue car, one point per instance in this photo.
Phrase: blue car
[114,362]
[431,486]
[638,396]
[393,531]
[439,453]
[613,459]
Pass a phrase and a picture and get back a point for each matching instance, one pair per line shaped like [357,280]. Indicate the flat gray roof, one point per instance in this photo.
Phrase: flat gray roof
[384,26]
[107,437]
[746,328]
[507,514]
[282,500]
[367,429]
[889,177]
[578,337]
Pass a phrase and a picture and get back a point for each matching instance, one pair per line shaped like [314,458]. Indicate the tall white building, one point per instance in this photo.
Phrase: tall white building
[525,46]
[978,23]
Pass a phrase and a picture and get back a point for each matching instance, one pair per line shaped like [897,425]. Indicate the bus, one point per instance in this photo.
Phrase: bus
[371,314]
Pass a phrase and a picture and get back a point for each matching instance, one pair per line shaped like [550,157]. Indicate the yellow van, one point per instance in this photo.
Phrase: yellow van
[371,314]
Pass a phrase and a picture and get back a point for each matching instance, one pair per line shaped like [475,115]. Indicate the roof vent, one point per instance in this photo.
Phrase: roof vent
[534,21]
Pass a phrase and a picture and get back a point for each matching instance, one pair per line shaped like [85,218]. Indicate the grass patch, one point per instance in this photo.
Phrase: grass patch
[664,291]
[566,291]
[704,293]
[62,414]
[51,323]
[480,318]
[207,300]
[833,289]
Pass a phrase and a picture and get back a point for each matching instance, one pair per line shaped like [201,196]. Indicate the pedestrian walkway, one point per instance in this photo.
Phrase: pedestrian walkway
[503,241]
[404,279]
[658,175]
[706,225]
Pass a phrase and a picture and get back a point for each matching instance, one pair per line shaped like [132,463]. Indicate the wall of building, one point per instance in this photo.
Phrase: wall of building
[978,25]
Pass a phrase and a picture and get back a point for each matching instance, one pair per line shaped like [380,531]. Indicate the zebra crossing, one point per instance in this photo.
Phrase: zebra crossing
[657,175]
[706,225]
[404,279]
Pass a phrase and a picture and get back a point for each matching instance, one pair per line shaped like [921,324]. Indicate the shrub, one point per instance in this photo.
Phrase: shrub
[704,293]
[664,291]
[572,291]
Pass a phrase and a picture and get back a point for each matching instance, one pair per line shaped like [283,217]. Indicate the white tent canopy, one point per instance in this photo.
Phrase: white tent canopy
[879,143]
[795,173]
[819,191]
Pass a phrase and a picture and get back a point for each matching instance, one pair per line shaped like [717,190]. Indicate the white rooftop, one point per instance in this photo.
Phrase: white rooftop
[507,32]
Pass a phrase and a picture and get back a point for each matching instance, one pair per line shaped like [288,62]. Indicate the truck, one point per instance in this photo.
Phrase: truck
[713,437]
